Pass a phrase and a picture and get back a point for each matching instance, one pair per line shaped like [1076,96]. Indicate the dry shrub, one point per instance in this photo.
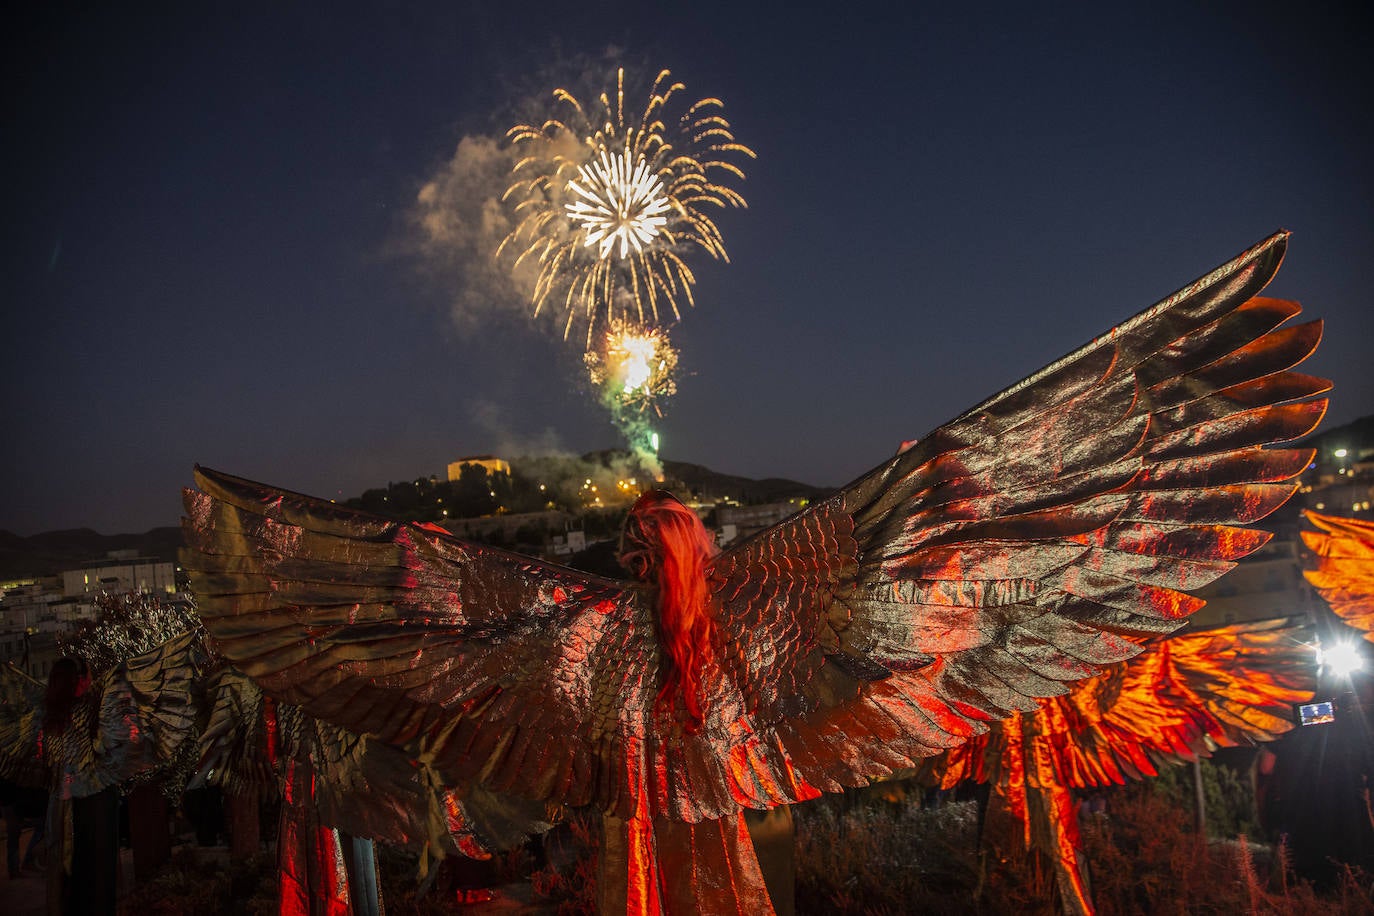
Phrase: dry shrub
[568,880]
[404,893]
[191,882]
[859,853]
[873,854]
[1145,858]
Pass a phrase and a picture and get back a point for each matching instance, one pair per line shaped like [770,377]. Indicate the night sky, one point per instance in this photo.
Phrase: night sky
[212,255]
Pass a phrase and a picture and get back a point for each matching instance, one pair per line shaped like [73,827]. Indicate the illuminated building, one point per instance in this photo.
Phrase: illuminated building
[493,465]
[120,571]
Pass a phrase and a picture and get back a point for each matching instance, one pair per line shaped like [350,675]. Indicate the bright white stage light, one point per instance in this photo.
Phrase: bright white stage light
[1343,659]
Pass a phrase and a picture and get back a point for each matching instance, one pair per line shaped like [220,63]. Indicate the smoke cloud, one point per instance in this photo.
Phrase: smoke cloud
[569,477]
[459,222]
[497,428]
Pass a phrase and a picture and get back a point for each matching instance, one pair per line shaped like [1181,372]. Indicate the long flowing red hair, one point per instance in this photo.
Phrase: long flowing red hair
[665,543]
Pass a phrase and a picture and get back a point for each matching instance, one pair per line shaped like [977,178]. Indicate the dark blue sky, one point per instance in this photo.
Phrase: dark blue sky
[209,251]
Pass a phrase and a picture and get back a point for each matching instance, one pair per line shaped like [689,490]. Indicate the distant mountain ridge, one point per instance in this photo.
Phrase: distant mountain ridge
[708,483]
[51,552]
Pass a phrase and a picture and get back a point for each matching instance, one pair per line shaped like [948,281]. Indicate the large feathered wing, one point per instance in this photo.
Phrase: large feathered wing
[361,785]
[999,558]
[1178,700]
[489,667]
[1185,696]
[21,723]
[1344,573]
[149,708]
[138,716]
[1026,544]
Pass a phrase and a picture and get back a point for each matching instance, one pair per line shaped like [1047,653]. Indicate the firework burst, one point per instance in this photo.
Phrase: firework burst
[635,368]
[608,206]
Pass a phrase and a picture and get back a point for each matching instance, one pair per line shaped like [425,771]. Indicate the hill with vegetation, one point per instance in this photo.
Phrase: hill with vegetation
[598,485]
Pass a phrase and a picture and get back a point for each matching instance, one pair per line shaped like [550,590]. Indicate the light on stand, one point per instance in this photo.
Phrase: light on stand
[1342,659]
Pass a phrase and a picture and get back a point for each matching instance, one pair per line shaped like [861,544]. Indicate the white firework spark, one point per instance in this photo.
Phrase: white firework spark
[608,207]
[621,200]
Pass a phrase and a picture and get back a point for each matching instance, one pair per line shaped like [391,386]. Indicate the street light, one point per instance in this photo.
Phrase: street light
[1342,659]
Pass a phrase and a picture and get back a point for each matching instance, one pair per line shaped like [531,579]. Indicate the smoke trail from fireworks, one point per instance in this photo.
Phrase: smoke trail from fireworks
[634,369]
[608,207]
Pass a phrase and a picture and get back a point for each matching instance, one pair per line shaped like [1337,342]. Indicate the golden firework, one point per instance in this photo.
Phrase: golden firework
[608,206]
[635,368]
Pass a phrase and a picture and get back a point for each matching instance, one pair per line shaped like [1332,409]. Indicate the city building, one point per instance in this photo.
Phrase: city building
[36,612]
[493,465]
[120,571]
[32,617]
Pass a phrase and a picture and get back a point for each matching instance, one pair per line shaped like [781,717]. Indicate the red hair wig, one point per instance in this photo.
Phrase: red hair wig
[665,543]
